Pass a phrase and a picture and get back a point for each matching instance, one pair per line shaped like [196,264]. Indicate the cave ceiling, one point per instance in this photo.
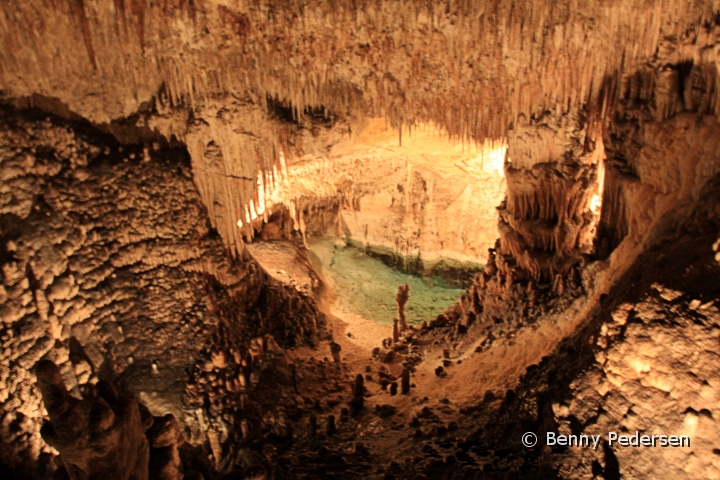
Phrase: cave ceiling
[242,83]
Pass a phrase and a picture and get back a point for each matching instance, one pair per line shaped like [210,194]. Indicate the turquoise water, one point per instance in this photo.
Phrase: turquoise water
[367,287]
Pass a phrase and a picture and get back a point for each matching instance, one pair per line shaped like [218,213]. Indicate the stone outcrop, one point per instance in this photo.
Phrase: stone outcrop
[548,220]
[110,270]
[108,435]
[642,363]
[100,436]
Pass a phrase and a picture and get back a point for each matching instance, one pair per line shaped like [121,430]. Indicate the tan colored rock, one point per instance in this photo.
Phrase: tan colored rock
[218,359]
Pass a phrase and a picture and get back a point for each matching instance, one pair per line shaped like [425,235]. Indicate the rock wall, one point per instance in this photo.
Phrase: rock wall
[111,270]
[435,210]
[554,173]
[649,166]
[621,159]
[421,203]
[643,362]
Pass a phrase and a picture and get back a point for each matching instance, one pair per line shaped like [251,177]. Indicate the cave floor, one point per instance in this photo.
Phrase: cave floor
[437,418]
[496,369]
[324,271]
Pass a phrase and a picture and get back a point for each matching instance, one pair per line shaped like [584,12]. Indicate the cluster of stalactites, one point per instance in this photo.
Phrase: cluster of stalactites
[613,225]
[295,192]
[651,94]
[409,62]
[548,218]
[661,93]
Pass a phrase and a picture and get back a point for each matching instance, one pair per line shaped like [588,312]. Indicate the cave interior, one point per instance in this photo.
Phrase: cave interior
[263,239]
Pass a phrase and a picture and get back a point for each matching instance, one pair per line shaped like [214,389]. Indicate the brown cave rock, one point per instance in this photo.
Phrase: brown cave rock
[212,214]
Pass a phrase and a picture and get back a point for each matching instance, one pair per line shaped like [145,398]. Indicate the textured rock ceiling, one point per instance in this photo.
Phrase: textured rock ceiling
[470,67]
[203,72]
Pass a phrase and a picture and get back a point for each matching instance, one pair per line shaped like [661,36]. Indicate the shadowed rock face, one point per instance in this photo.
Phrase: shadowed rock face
[105,435]
[100,436]
[110,270]
[78,267]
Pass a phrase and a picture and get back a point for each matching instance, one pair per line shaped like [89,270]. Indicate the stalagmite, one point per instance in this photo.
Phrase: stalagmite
[402,297]
[393,388]
[165,443]
[335,350]
[338,231]
[330,428]
[312,425]
[558,285]
[490,266]
[405,382]
[303,229]
[358,392]
[116,444]
[532,294]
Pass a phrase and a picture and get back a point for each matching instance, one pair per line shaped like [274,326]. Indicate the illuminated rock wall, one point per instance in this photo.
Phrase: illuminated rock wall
[425,200]
[553,174]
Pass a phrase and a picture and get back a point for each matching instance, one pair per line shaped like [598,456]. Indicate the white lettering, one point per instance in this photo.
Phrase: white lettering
[613,438]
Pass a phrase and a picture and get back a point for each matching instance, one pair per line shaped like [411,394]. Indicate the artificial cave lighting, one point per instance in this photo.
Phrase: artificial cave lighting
[491,157]
[371,165]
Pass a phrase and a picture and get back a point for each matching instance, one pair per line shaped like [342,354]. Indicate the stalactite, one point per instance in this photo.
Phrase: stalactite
[564,71]
[613,219]
[568,66]
[548,211]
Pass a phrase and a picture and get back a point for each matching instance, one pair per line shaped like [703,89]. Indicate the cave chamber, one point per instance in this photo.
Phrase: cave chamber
[370,239]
